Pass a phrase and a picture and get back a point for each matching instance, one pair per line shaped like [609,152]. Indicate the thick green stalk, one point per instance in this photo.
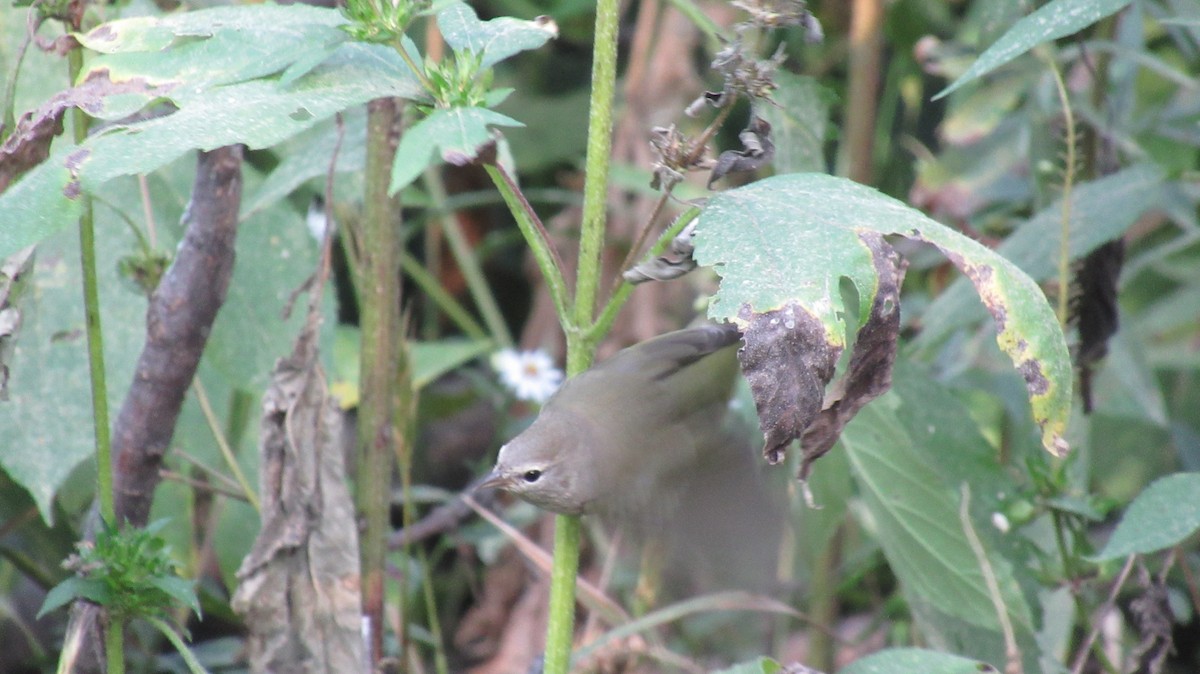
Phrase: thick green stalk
[595,187]
[114,647]
[114,633]
[379,288]
[581,345]
[95,339]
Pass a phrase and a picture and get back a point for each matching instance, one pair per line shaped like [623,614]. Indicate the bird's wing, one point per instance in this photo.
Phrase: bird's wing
[663,356]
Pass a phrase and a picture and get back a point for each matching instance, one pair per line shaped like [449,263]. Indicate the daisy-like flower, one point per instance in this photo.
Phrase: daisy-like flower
[530,375]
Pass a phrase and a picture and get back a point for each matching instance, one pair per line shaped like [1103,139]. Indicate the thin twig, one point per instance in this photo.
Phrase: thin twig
[1190,581]
[214,426]
[591,626]
[1081,657]
[147,210]
[590,595]
[643,235]
[701,143]
[229,482]
[330,224]
[201,484]
[1012,652]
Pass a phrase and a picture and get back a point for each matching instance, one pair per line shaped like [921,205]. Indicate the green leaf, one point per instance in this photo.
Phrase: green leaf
[307,156]
[496,39]
[910,660]
[257,113]
[1056,19]
[1163,515]
[245,24]
[433,359]
[798,123]
[62,594]
[200,49]
[759,666]
[458,132]
[179,589]
[1101,210]
[47,423]
[430,360]
[914,511]
[790,240]
[36,206]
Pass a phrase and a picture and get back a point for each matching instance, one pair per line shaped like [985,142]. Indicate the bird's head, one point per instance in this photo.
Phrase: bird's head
[544,465]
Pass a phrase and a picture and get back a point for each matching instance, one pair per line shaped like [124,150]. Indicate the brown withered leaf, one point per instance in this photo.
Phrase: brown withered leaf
[788,361]
[757,151]
[299,588]
[872,357]
[677,262]
[29,144]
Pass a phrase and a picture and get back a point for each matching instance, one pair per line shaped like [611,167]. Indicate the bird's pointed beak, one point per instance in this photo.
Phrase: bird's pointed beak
[491,480]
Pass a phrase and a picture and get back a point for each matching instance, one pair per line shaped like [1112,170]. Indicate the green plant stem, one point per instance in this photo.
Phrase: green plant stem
[95,339]
[379,287]
[613,307]
[189,659]
[481,292]
[581,342]
[824,604]
[1064,244]
[114,634]
[565,567]
[595,188]
[214,425]
[418,71]
[114,647]
[1012,653]
[440,663]
[536,236]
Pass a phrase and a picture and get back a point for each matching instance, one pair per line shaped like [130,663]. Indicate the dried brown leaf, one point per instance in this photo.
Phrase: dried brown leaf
[300,585]
[869,374]
[788,360]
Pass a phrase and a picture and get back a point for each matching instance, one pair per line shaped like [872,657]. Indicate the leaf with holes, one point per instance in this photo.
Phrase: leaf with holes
[258,113]
[785,243]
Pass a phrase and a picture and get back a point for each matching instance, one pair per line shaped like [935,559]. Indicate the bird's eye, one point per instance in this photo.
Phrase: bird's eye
[532,476]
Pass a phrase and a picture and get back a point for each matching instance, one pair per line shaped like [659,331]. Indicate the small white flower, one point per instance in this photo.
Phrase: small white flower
[530,375]
[1001,522]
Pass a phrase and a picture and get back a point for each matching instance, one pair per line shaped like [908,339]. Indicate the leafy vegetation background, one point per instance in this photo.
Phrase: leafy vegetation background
[943,525]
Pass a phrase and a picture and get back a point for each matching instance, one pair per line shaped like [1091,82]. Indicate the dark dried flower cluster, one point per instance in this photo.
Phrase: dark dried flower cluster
[676,156]
[772,14]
